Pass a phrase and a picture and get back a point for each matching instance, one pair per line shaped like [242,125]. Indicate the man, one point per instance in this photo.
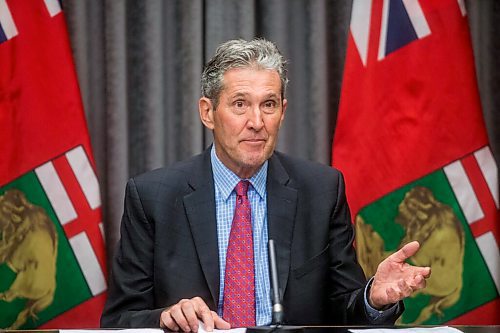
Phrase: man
[194,236]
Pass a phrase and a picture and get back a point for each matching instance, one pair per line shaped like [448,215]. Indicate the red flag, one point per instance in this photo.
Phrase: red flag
[412,144]
[52,258]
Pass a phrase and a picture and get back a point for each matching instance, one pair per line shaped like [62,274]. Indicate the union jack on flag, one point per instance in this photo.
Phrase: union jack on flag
[402,22]
[8,28]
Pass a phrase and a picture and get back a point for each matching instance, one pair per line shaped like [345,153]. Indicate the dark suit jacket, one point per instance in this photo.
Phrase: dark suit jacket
[168,248]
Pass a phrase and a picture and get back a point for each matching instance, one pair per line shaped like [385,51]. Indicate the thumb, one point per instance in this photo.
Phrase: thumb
[405,252]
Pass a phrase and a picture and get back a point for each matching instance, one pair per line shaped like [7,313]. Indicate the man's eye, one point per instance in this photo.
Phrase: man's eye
[270,106]
[239,104]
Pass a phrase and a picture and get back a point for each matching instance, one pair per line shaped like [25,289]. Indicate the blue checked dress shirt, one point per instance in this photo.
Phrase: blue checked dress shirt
[225,200]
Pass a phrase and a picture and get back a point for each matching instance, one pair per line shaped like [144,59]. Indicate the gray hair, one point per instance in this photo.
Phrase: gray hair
[239,53]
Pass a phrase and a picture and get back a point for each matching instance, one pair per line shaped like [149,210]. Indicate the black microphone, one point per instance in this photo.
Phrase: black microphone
[278,311]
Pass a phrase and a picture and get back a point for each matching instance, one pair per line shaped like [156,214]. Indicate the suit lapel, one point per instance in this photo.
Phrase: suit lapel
[200,209]
[281,211]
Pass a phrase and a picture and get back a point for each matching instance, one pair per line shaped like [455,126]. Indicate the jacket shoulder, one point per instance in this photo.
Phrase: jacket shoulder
[309,172]
[176,178]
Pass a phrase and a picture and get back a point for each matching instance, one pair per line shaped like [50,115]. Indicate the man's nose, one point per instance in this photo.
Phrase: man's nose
[255,118]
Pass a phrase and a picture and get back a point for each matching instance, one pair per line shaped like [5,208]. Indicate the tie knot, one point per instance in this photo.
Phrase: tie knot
[242,188]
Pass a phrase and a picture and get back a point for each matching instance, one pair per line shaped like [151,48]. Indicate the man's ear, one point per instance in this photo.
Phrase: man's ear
[283,111]
[206,109]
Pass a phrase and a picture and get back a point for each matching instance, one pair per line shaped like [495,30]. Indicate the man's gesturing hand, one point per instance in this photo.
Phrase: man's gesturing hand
[187,312]
[395,279]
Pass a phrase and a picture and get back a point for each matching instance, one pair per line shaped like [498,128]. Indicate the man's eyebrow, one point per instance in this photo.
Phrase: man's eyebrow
[239,94]
[273,95]
[245,94]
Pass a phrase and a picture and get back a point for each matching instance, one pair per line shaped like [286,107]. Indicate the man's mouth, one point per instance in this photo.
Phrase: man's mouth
[253,141]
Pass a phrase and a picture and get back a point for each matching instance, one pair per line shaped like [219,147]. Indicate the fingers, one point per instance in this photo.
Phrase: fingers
[405,252]
[386,293]
[185,316]
[166,321]
[414,271]
[219,322]
[418,282]
[425,272]
[181,314]
[406,288]
[398,292]
[206,317]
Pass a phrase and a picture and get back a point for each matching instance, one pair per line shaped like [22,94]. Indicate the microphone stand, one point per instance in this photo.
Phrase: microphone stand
[277,306]
[278,313]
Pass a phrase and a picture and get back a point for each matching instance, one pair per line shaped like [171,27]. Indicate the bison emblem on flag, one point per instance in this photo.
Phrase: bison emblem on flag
[437,228]
[52,251]
[411,142]
[46,253]
[29,248]
[433,211]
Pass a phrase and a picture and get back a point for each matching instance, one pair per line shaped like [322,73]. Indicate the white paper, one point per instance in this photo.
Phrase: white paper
[440,329]
[151,330]
[128,330]
[232,330]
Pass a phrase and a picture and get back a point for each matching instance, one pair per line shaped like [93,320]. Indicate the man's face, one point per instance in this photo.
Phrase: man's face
[247,119]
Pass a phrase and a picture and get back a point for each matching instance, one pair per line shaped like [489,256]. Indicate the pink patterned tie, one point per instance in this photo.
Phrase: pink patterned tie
[239,286]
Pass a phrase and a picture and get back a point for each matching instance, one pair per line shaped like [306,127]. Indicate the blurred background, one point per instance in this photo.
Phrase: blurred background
[139,65]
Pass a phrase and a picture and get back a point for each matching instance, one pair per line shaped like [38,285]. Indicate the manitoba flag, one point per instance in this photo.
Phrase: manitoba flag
[412,144]
[52,260]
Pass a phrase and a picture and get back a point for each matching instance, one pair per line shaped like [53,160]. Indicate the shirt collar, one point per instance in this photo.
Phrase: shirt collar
[225,180]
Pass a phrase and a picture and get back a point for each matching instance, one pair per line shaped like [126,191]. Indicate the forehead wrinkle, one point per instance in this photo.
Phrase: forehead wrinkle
[244,86]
